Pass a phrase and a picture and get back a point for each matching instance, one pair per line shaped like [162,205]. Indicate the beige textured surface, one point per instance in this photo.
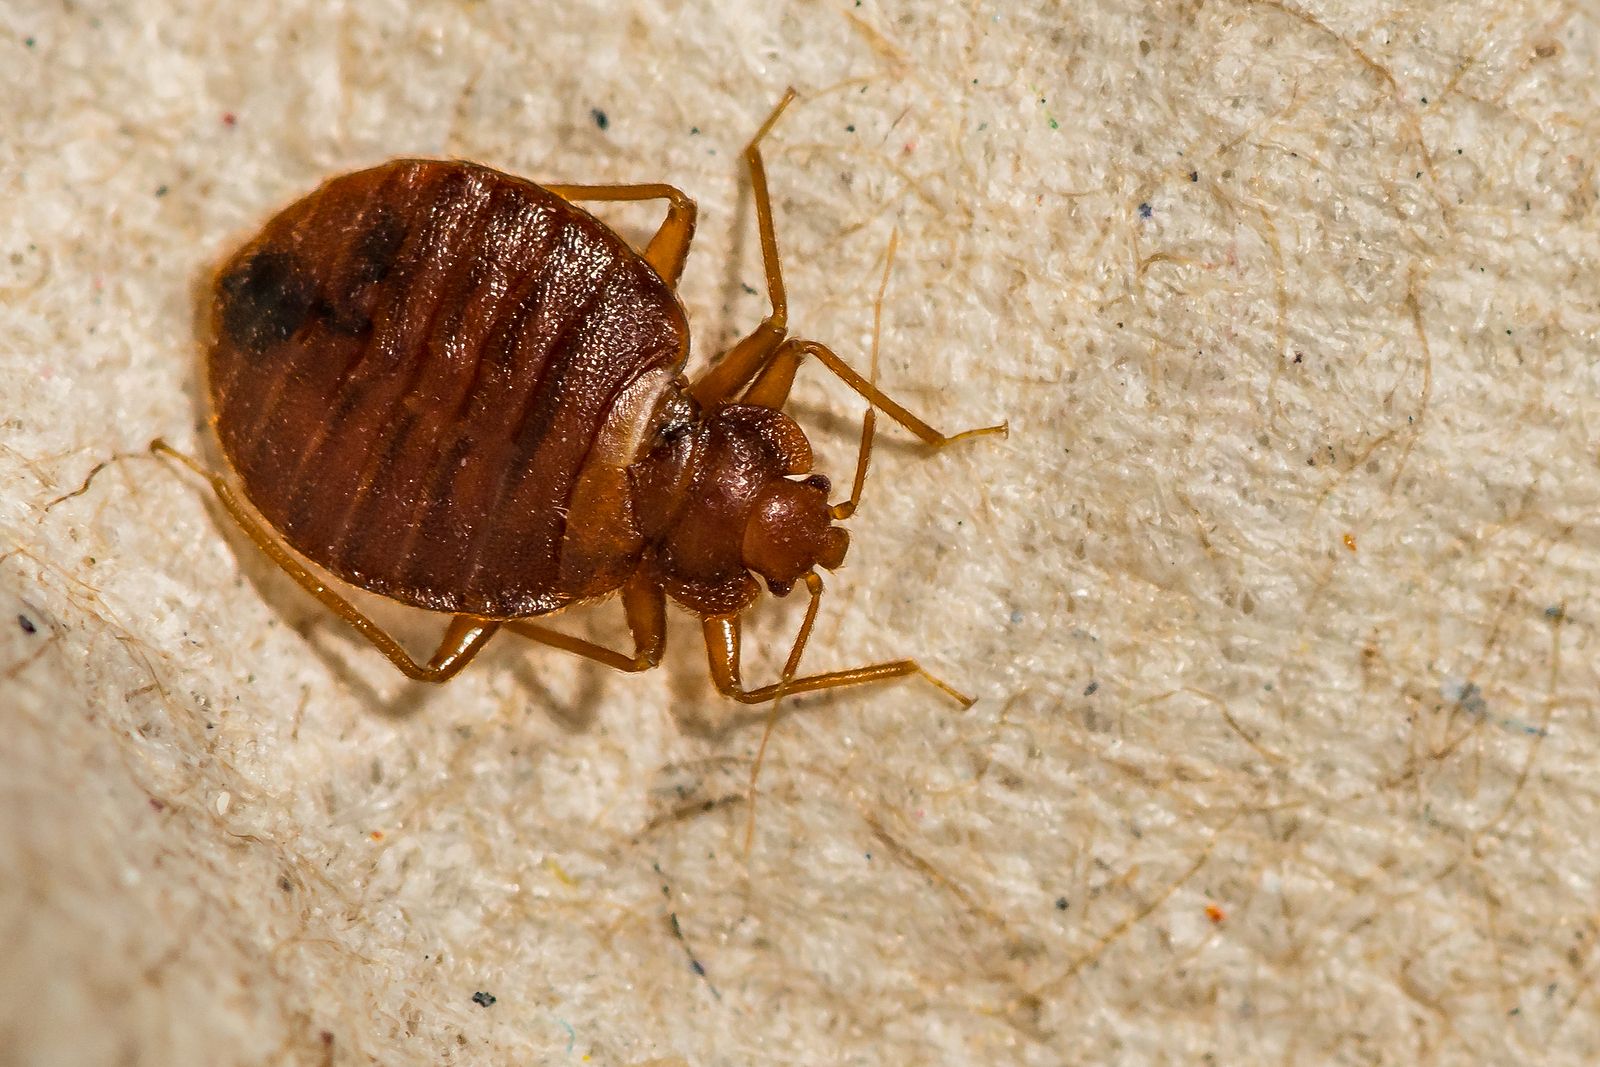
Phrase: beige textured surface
[1279,598]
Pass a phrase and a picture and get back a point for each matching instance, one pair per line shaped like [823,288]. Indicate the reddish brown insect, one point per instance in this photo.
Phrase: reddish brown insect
[455,388]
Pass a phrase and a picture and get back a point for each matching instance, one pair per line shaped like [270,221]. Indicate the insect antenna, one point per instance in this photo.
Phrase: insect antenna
[869,423]
[839,512]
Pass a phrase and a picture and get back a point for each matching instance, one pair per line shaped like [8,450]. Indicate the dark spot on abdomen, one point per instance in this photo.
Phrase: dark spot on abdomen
[264,301]
[378,248]
[347,317]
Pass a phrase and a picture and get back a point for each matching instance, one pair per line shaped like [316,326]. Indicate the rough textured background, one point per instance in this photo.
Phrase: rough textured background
[1279,597]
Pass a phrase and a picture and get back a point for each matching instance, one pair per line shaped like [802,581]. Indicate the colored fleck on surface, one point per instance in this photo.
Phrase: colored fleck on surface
[161,190]
[1091,689]
[1215,914]
[1350,541]
[482,999]
[600,118]
[28,41]
[1061,903]
[1054,125]
[1145,211]
[230,119]
[850,129]
[1469,699]
[27,625]
[1194,175]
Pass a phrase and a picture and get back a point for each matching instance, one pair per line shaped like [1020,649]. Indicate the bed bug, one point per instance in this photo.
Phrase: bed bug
[459,390]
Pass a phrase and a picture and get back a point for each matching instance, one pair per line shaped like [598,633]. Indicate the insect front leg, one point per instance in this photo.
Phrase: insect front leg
[722,637]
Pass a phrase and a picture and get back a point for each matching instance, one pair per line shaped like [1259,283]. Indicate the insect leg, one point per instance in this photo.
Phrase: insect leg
[780,374]
[646,609]
[463,638]
[745,359]
[771,389]
[669,248]
[722,636]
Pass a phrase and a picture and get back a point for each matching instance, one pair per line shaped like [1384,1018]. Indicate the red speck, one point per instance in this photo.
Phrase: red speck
[1215,914]
[156,805]
[377,835]
[230,119]
[911,146]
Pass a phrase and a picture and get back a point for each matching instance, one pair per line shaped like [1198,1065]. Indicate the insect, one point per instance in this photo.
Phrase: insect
[457,389]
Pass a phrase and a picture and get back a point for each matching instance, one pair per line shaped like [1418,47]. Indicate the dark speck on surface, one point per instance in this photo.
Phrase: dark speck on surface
[1061,903]
[482,999]
[161,190]
[27,625]
[1091,689]
[600,119]
[1145,211]
[28,41]
[850,129]
[1194,175]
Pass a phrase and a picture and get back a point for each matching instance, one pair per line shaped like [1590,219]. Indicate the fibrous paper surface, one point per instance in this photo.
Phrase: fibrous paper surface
[1276,602]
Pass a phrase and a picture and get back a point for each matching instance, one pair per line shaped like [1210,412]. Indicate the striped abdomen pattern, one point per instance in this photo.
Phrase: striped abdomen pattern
[410,367]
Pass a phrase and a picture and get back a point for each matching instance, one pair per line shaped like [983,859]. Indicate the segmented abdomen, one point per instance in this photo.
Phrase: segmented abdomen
[410,366]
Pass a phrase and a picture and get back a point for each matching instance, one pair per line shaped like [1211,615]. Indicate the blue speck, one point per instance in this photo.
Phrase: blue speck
[1145,211]
[1016,617]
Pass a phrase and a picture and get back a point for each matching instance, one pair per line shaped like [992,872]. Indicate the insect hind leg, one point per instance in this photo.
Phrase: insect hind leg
[463,639]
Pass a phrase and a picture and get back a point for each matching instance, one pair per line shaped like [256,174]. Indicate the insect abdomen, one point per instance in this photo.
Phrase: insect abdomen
[410,368]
